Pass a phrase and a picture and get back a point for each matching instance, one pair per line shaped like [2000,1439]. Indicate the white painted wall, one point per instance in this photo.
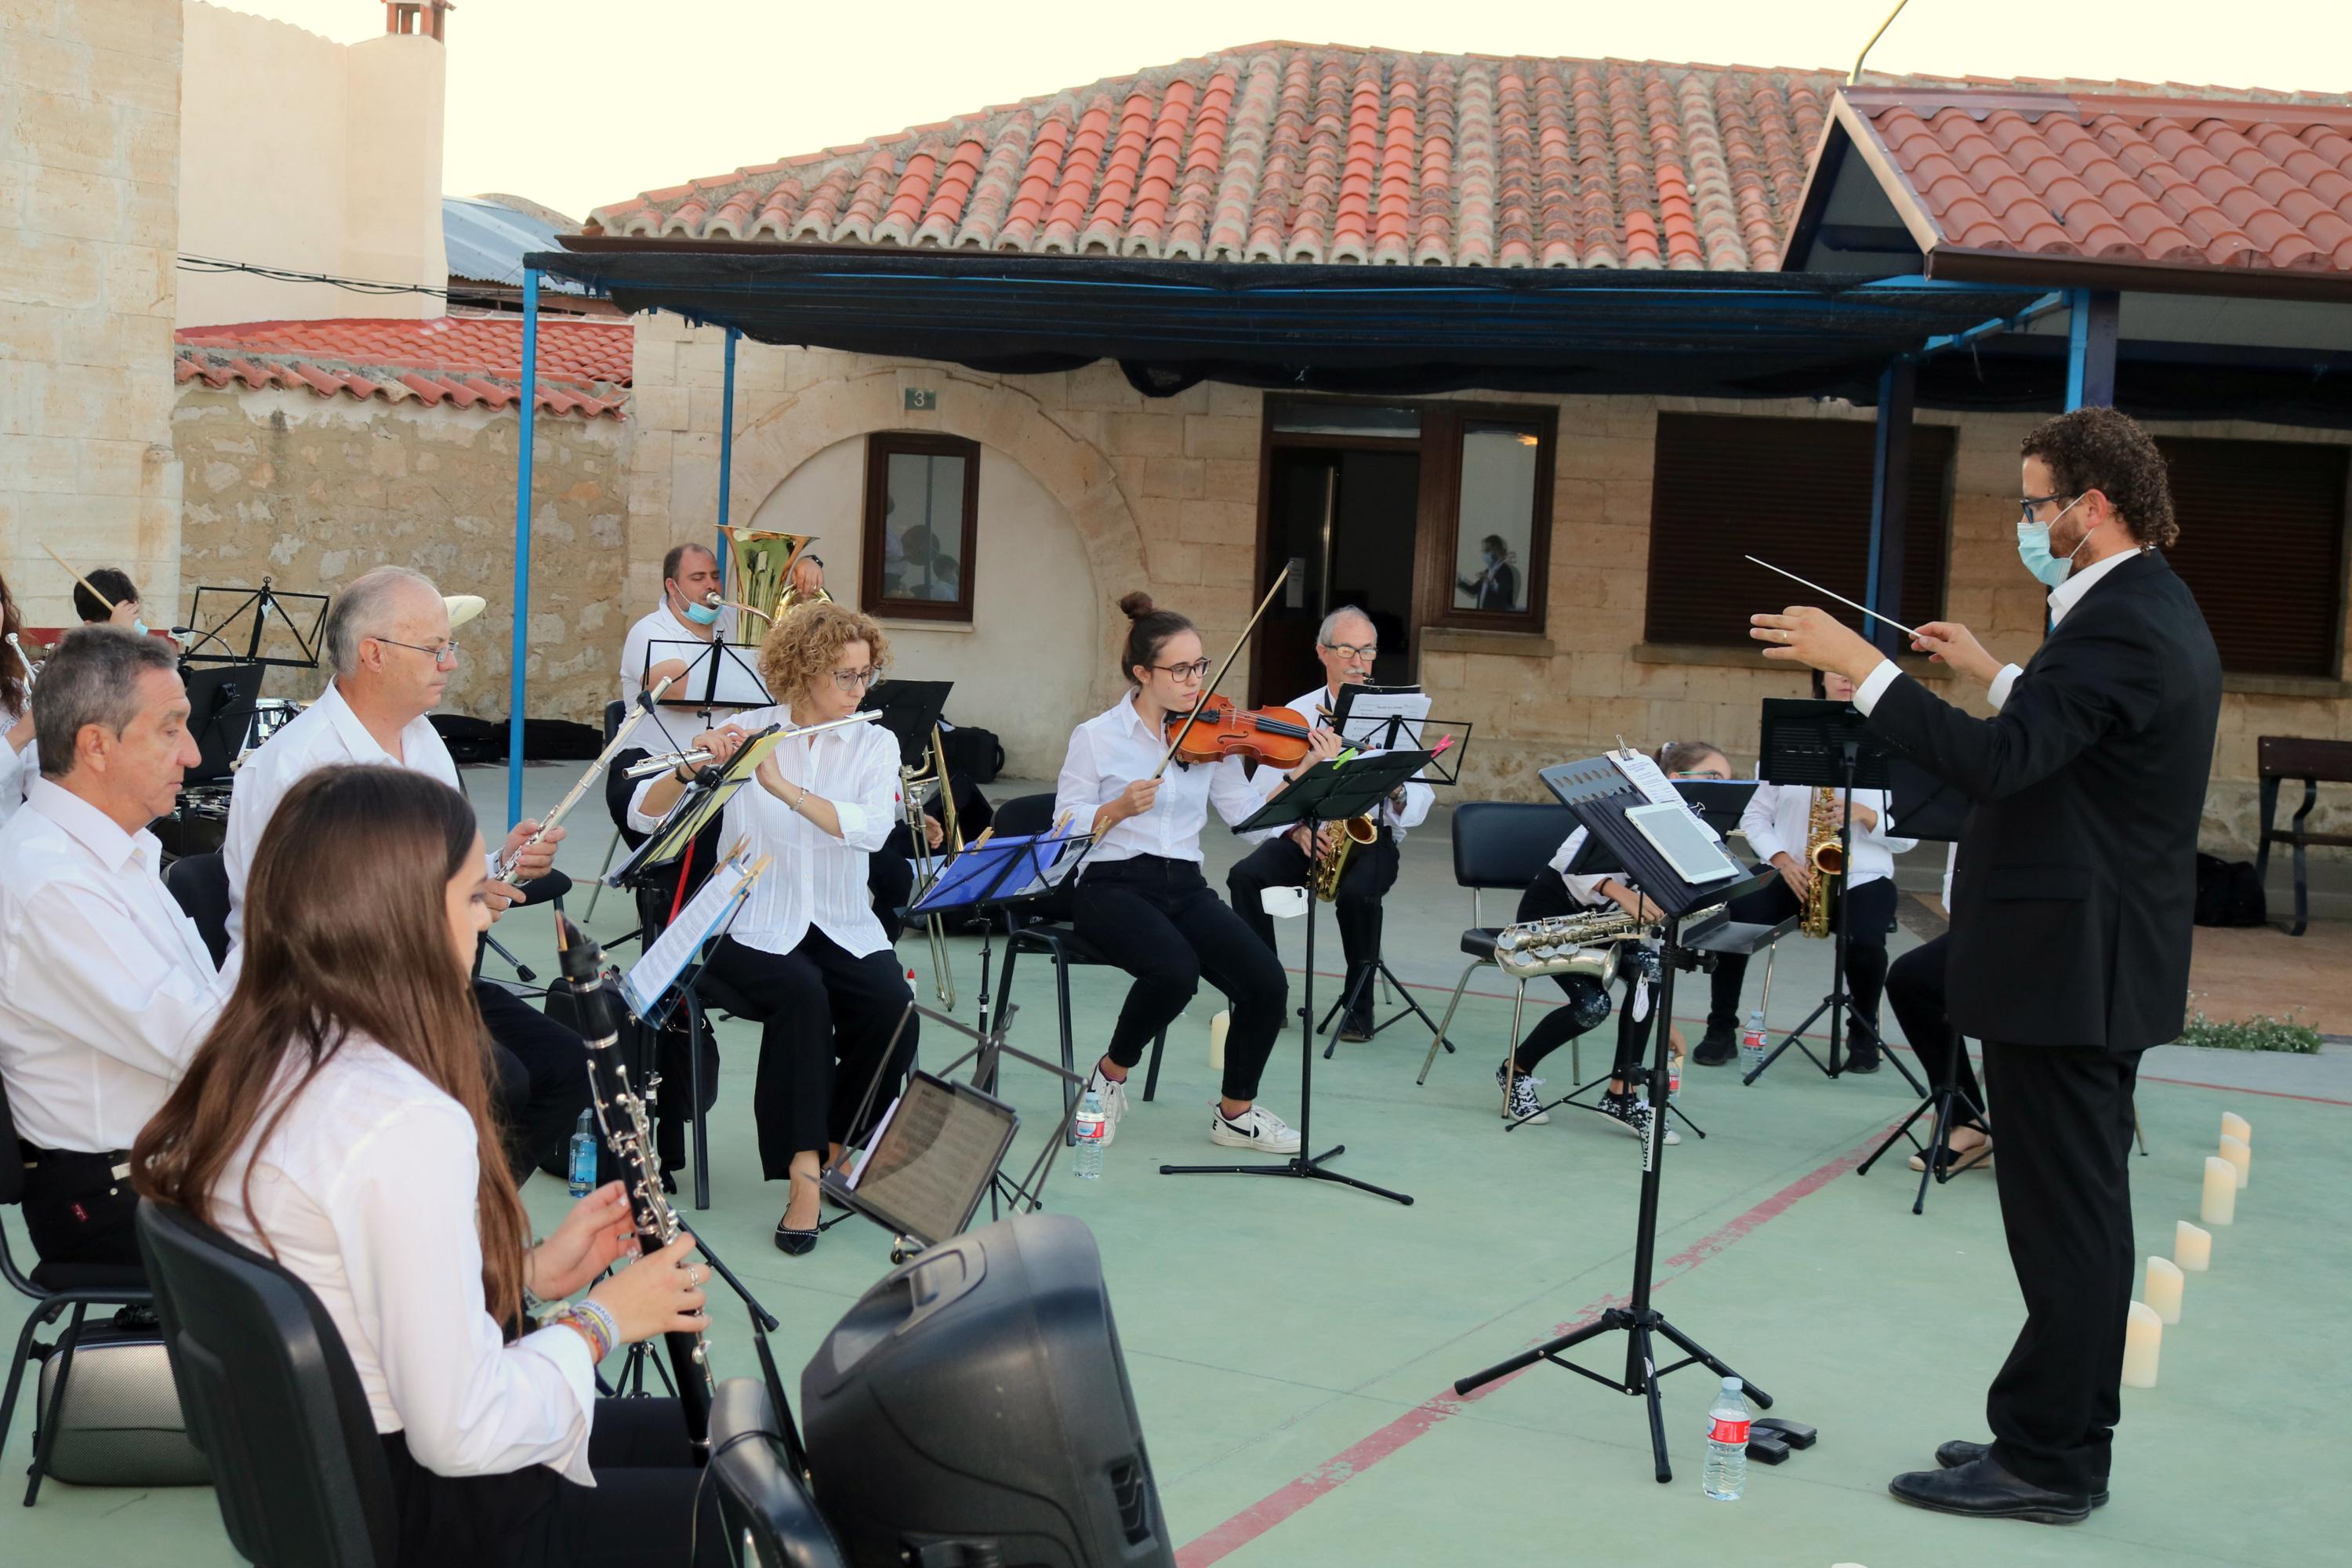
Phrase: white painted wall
[1026,663]
[309,155]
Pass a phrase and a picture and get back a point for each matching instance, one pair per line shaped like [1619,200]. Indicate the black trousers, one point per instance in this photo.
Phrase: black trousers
[1588,1000]
[76,1209]
[1160,920]
[1867,913]
[1915,989]
[827,1027]
[890,880]
[1279,863]
[650,1499]
[2065,1176]
[541,1076]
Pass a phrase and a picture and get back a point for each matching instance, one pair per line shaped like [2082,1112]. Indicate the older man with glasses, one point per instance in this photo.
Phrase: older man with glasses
[1347,647]
[388,640]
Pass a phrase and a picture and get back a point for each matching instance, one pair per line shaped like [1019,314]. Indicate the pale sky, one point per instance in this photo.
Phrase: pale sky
[579,103]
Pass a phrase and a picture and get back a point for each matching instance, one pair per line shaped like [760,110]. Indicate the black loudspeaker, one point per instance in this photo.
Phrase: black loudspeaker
[977,1399]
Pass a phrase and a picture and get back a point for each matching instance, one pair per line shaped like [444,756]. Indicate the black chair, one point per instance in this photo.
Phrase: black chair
[771,1522]
[272,1399]
[54,1288]
[1500,845]
[200,883]
[707,993]
[1049,933]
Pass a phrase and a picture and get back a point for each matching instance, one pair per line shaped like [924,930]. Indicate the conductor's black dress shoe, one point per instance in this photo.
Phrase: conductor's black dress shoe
[1983,1490]
[1960,1451]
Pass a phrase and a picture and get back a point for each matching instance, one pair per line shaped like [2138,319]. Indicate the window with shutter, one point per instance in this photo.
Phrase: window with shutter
[2262,546]
[1795,492]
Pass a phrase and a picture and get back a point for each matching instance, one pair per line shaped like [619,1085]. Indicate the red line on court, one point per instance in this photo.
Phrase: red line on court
[1254,1520]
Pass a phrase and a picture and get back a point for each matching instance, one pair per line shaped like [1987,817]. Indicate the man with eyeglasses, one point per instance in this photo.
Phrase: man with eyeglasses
[1346,646]
[2072,904]
[388,641]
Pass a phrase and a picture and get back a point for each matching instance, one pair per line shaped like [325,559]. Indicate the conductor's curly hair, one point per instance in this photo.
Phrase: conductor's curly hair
[2100,450]
[804,644]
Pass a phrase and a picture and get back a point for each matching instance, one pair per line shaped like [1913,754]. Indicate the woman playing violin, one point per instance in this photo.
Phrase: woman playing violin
[1141,900]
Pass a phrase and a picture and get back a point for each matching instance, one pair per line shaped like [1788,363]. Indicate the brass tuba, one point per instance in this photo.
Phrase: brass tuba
[1328,868]
[762,566]
[1826,856]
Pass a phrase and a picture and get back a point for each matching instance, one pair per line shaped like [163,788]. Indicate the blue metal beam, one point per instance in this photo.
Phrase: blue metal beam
[726,447]
[517,680]
[2090,348]
[2056,300]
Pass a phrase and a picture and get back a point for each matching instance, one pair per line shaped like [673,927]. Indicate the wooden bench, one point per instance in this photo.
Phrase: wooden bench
[2314,763]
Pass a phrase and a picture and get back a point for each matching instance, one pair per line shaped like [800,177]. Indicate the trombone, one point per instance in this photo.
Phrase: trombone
[916,786]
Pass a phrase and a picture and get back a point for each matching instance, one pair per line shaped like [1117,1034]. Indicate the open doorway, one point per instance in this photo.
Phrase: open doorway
[1342,516]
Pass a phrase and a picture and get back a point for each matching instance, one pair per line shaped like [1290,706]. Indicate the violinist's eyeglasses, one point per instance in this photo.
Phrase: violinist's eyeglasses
[1196,670]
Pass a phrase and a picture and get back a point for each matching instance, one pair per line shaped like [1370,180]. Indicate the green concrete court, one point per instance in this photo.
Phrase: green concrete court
[1292,1344]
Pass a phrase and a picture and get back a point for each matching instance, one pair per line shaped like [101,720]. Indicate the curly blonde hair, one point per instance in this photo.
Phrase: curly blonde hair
[804,645]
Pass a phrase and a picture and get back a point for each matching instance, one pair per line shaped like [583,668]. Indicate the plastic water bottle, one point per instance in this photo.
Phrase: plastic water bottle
[1674,1079]
[1751,1042]
[1088,1127]
[1725,1475]
[584,1157]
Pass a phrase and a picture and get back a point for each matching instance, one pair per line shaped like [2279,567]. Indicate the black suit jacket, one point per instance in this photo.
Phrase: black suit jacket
[2073,898]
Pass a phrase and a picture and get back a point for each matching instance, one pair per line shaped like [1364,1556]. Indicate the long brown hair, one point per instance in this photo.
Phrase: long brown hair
[16,677]
[346,935]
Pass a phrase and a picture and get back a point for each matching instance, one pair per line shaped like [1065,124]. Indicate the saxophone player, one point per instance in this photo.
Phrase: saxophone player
[1346,646]
[1555,892]
[1779,825]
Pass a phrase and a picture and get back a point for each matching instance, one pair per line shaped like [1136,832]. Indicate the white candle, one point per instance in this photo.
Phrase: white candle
[2241,1158]
[1217,1027]
[2162,1291]
[2236,1126]
[2221,1204]
[2192,1247]
[2143,1337]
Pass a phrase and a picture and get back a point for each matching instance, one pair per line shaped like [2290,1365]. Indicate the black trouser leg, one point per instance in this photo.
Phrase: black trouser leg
[792,1096]
[1371,872]
[1867,913]
[1768,905]
[76,1209]
[1129,929]
[541,1080]
[1159,920]
[2065,1176]
[1633,1034]
[648,1499]
[1915,989]
[1588,1000]
[1277,863]
[869,998]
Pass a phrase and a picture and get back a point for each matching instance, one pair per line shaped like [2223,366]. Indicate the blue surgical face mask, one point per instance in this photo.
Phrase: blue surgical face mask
[2033,549]
[701,615]
[140,627]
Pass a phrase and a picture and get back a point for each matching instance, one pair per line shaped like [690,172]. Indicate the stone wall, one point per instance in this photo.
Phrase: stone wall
[313,492]
[89,115]
[1163,495]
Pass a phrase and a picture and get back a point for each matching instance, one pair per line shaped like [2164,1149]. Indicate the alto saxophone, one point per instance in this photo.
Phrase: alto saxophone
[1328,868]
[1825,854]
[627,1123]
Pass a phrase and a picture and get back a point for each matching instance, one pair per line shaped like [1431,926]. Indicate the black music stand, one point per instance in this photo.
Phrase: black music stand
[1385,735]
[1928,808]
[265,604]
[1328,792]
[1600,796]
[221,702]
[709,667]
[909,710]
[1812,744]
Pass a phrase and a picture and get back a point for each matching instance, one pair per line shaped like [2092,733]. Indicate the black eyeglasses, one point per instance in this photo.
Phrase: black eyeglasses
[2029,502]
[1355,650]
[856,679]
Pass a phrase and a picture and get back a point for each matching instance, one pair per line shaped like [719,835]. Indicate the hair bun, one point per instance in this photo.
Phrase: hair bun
[1136,606]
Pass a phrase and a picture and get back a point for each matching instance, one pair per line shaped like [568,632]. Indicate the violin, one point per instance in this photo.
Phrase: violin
[1276,737]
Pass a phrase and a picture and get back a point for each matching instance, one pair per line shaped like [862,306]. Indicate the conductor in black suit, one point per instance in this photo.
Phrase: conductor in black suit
[2070,925]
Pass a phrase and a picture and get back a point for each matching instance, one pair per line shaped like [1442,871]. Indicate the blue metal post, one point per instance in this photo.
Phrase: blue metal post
[726,447]
[2091,331]
[1890,493]
[518,681]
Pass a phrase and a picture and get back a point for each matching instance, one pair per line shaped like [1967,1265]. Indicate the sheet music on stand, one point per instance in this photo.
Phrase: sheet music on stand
[718,675]
[705,915]
[997,871]
[695,809]
[1396,718]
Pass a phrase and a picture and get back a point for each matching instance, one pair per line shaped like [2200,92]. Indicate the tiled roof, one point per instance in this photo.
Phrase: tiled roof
[1286,151]
[584,366]
[2123,179]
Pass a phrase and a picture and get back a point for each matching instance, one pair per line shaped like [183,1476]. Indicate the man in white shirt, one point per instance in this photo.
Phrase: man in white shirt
[388,640]
[106,988]
[1346,645]
[690,580]
[1776,823]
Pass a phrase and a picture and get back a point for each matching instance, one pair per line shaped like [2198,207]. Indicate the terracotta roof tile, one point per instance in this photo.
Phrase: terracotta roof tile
[2220,180]
[584,366]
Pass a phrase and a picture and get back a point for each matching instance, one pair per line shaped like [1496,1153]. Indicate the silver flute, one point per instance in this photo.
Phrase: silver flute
[664,761]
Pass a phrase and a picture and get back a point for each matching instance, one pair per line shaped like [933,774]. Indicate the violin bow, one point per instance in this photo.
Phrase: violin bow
[1209,690]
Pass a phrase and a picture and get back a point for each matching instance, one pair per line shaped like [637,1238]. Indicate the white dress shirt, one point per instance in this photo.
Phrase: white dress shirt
[814,878]
[2062,598]
[1584,889]
[17,769]
[1116,748]
[106,988]
[321,735]
[1778,815]
[1398,820]
[366,1193]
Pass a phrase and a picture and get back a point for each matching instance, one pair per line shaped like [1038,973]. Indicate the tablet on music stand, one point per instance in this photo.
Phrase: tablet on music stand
[930,1160]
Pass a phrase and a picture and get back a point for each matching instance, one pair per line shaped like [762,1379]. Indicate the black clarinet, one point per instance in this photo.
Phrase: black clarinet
[627,1123]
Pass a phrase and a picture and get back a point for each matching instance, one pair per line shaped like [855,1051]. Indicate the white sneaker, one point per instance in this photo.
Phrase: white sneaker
[1256,1128]
[1112,1093]
[1525,1105]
